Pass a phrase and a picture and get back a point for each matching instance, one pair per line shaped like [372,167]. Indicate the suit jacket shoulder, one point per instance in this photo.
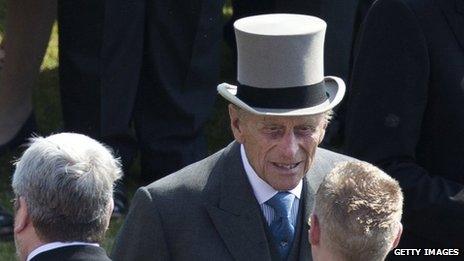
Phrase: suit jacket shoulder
[177,208]
[190,179]
[325,160]
[73,253]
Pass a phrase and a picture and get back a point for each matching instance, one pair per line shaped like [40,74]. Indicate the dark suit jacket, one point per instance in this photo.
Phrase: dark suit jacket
[80,37]
[73,253]
[165,49]
[207,211]
[159,68]
[406,113]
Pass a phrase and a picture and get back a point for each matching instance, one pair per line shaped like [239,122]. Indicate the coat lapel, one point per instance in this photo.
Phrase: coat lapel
[234,210]
[313,179]
[305,248]
[454,13]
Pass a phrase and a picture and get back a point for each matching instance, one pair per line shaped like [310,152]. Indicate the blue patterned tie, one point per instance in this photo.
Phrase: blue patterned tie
[281,228]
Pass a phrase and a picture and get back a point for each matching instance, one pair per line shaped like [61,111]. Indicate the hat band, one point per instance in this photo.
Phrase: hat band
[283,98]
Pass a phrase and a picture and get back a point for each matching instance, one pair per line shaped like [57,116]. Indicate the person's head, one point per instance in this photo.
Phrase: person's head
[357,214]
[63,186]
[280,149]
[280,107]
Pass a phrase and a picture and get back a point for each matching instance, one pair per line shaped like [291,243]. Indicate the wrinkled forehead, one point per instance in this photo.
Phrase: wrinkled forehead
[313,120]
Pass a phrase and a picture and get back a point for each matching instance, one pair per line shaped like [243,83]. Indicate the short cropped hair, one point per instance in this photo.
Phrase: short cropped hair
[359,209]
[67,182]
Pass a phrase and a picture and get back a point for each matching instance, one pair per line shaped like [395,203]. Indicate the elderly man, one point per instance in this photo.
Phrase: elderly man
[63,187]
[249,200]
[357,214]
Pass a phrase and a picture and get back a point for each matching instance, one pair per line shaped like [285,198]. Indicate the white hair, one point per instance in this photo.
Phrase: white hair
[67,182]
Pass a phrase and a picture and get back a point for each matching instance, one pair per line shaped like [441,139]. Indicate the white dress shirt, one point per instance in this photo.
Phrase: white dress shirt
[54,245]
[263,191]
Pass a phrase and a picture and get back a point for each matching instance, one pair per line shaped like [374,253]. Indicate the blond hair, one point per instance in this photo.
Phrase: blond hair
[359,209]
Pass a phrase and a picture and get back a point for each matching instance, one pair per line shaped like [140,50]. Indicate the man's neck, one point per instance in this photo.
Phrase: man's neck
[27,242]
[325,255]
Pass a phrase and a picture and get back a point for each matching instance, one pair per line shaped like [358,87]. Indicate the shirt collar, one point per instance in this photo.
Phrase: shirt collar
[54,245]
[262,190]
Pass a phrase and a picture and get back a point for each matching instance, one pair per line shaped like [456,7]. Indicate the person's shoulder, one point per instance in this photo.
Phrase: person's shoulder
[325,155]
[324,161]
[193,177]
[187,188]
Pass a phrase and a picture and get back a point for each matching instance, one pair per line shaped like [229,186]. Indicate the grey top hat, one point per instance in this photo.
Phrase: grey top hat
[281,67]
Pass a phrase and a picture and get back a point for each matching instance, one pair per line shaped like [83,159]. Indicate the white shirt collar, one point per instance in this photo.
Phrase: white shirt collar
[263,191]
[54,245]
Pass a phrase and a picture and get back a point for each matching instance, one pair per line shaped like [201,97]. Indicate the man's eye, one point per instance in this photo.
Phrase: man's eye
[307,129]
[272,129]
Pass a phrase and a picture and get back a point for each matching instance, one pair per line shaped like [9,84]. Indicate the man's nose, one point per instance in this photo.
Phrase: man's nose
[289,145]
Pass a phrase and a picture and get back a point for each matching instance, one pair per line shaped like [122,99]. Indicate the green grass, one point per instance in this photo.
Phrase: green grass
[48,112]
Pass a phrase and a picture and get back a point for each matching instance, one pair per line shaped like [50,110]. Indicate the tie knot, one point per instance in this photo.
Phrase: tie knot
[282,203]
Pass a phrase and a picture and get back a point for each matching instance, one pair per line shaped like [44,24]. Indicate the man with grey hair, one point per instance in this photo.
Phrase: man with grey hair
[357,214]
[63,186]
[249,201]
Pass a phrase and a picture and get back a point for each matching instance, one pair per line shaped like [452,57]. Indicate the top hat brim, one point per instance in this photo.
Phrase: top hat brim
[335,90]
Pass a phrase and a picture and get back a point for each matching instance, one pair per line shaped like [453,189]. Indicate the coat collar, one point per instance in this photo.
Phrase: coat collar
[73,253]
[454,13]
[234,209]
[311,183]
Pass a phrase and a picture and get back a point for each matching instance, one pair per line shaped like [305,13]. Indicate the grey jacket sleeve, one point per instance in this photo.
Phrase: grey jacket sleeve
[141,237]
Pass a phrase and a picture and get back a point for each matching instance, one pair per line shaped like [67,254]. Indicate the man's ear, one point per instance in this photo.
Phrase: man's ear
[21,216]
[235,123]
[110,212]
[315,231]
[322,131]
[398,236]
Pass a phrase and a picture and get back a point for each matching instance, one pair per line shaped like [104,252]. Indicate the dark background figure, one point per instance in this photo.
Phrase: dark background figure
[335,131]
[160,66]
[80,38]
[27,30]
[405,112]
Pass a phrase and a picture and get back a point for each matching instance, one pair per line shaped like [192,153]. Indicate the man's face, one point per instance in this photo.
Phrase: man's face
[280,149]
